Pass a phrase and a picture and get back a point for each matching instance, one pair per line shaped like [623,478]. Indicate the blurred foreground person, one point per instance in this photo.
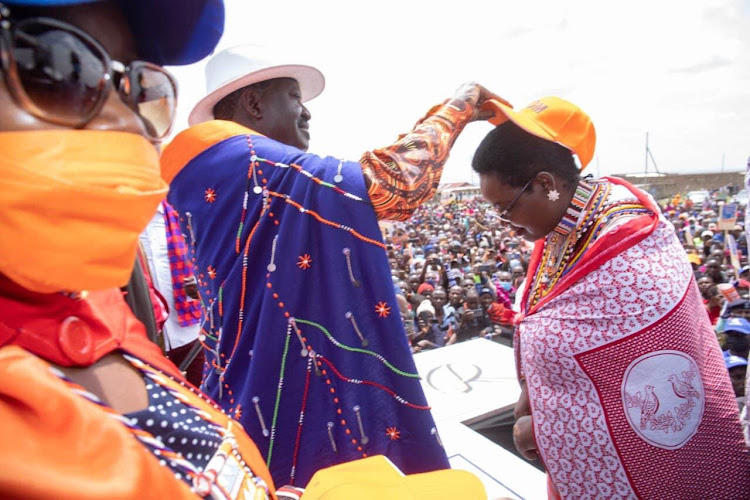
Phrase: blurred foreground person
[621,373]
[90,407]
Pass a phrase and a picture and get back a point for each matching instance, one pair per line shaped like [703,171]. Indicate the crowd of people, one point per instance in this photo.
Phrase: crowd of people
[719,257]
[457,269]
[223,316]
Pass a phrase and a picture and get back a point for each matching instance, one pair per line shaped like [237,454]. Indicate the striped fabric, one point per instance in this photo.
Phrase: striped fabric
[407,173]
[573,214]
[188,311]
[289,493]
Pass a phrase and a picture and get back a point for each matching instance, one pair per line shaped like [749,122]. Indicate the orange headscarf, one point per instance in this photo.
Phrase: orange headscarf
[73,204]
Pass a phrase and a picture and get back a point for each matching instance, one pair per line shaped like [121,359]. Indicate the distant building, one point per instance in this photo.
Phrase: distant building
[663,186]
[457,191]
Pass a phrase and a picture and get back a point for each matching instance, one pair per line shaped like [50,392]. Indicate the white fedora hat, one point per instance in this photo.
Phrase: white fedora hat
[243,65]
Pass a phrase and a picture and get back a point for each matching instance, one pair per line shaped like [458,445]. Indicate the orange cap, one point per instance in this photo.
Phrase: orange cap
[553,119]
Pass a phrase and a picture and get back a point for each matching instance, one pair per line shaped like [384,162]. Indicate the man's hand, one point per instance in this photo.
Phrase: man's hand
[476,95]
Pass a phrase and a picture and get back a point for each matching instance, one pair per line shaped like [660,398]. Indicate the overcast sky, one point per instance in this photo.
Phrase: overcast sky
[679,70]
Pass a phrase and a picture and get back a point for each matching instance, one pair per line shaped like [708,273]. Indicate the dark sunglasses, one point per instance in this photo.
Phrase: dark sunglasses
[62,75]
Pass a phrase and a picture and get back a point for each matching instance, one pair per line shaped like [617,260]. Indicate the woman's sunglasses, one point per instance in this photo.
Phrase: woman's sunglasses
[62,75]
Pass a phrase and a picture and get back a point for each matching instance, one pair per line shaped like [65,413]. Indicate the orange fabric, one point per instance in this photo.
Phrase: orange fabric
[553,119]
[694,258]
[194,141]
[72,207]
[35,405]
[58,445]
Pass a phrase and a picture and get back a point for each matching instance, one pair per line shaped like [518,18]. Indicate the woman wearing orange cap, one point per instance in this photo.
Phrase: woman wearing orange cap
[620,371]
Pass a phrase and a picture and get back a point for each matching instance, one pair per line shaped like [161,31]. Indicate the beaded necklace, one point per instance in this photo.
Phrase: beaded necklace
[583,212]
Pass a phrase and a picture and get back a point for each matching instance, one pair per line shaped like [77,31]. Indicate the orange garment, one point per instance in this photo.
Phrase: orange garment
[552,119]
[194,141]
[58,445]
[406,174]
[69,446]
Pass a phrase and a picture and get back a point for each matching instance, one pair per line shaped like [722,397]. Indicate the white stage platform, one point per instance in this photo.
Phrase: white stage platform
[466,383]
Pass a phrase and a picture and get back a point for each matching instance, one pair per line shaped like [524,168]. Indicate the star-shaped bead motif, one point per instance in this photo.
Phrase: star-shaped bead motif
[211,272]
[553,195]
[393,433]
[304,261]
[382,309]
[210,195]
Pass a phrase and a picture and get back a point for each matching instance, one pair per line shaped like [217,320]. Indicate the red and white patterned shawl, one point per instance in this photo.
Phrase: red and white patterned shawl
[628,390]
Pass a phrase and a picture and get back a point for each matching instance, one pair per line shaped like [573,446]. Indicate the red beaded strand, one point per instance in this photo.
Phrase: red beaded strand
[327,222]
[301,420]
[373,384]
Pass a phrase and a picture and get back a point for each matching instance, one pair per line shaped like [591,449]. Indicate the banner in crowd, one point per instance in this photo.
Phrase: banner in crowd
[734,255]
[727,217]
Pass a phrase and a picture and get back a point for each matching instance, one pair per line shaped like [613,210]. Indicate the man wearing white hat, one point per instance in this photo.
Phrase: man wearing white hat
[239,77]
[303,340]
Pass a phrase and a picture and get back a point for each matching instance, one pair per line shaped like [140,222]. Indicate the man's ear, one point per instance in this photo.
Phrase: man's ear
[250,104]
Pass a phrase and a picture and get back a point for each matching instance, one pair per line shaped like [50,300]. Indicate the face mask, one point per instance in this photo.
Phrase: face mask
[506,285]
[73,205]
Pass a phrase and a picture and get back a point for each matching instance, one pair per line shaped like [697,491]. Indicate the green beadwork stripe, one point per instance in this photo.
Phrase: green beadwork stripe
[278,397]
[355,349]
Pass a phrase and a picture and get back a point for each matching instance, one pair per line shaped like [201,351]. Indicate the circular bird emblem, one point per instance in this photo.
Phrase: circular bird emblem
[663,398]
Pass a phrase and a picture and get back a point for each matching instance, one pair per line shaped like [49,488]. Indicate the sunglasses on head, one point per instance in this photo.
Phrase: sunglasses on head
[60,74]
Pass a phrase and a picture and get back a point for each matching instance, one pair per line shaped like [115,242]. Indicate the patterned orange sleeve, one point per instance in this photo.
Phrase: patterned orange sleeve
[407,173]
